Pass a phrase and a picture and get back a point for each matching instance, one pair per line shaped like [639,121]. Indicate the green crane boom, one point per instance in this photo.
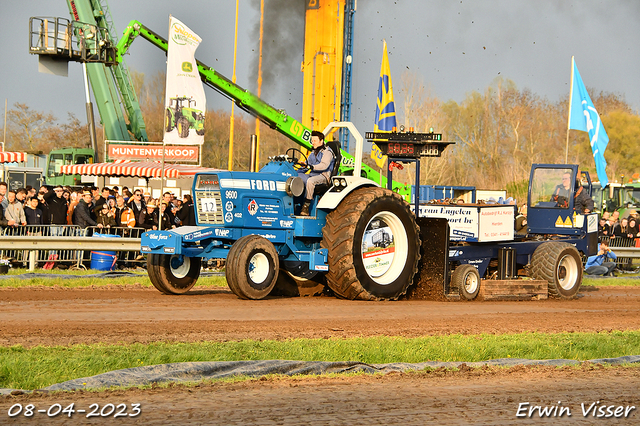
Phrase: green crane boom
[111,85]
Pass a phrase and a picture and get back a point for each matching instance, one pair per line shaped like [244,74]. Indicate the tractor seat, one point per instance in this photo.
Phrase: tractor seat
[335,147]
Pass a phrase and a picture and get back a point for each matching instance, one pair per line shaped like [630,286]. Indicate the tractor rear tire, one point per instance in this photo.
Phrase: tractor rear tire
[560,265]
[183,127]
[252,267]
[358,269]
[467,279]
[173,274]
[168,122]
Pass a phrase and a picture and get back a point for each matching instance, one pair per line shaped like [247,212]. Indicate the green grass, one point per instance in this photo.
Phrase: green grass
[53,281]
[620,281]
[42,366]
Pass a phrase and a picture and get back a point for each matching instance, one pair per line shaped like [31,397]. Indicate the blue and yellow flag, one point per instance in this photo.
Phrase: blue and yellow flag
[385,119]
[583,116]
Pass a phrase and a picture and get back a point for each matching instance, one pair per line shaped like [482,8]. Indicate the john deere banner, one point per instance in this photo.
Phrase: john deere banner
[185,102]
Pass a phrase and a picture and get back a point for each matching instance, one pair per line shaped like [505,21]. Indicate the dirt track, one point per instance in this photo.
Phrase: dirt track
[41,316]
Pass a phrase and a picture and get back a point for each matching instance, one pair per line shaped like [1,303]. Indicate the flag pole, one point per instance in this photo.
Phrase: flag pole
[566,154]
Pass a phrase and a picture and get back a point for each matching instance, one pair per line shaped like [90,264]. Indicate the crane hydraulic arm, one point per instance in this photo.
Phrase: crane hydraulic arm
[274,118]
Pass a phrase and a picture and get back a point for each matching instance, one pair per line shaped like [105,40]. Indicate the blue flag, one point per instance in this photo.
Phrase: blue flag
[583,116]
[385,119]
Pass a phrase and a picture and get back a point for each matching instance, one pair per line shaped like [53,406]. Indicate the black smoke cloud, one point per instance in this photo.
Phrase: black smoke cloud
[282,46]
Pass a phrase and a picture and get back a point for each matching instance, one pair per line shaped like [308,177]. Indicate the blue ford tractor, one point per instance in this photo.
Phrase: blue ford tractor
[250,219]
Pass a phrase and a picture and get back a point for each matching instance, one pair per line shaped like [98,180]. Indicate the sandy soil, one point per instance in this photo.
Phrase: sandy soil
[42,316]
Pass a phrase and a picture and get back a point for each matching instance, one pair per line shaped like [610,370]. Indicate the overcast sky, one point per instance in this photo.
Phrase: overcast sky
[454,46]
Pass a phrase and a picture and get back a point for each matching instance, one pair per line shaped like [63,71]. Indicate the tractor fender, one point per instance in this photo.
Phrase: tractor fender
[335,195]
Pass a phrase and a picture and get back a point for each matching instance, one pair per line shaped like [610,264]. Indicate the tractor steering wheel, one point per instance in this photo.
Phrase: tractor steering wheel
[295,160]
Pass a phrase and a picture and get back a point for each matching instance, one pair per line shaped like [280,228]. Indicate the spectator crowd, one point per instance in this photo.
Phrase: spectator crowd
[90,206]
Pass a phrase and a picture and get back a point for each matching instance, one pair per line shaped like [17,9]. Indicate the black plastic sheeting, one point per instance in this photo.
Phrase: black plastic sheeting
[198,371]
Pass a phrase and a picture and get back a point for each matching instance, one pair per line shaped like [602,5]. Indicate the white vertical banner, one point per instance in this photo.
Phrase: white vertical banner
[185,102]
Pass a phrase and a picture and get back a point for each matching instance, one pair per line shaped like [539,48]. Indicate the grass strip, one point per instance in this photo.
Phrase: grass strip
[52,281]
[42,366]
[611,282]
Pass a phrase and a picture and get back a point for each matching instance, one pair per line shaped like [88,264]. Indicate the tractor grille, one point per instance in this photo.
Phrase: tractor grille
[209,208]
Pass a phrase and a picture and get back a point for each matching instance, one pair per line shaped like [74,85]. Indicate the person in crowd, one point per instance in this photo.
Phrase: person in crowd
[99,198]
[146,196]
[14,210]
[44,206]
[167,222]
[602,223]
[167,200]
[633,228]
[106,217]
[187,214]
[31,191]
[74,199]
[21,195]
[32,212]
[3,191]
[124,215]
[599,263]
[138,206]
[126,194]
[148,218]
[613,223]
[604,228]
[3,221]
[84,213]
[623,231]
[116,191]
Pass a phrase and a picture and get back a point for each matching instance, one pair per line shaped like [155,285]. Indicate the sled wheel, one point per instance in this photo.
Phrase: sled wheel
[358,267]
[183,127]
[559,264]
[173,274]
[252,267]
[467,279]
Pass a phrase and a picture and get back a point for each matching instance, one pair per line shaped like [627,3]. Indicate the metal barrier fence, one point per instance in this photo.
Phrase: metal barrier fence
[28,238]
[43,256]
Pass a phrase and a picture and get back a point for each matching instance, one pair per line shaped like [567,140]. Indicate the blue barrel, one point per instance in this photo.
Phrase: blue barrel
[104,260]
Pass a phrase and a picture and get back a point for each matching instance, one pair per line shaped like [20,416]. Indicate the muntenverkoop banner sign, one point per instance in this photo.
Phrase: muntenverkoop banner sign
[152,152]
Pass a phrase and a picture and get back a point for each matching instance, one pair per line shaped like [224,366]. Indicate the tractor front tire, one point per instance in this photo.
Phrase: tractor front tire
[252,267]
[168,121]
[358,269]
[560,265]
[172,274]
[183,127]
